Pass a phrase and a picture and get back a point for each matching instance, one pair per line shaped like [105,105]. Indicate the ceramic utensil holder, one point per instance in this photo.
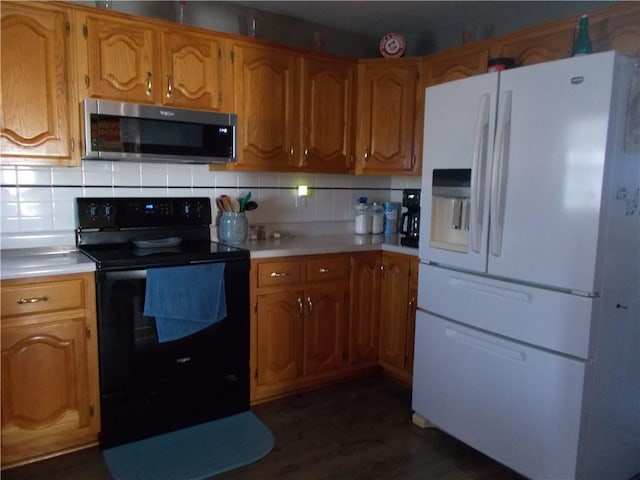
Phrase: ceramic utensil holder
[234,227]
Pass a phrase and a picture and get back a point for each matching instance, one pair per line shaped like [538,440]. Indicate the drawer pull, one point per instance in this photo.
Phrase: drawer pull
[22,301]
[323,270]
[310,306]
[300,307]
[279,274]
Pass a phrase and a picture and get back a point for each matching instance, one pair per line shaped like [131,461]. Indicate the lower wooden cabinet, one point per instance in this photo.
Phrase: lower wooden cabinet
[299,324]
[50,399]
[318,319]
[397,314]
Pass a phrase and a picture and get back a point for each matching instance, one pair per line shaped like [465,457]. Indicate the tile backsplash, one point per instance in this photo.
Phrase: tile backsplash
[38,203]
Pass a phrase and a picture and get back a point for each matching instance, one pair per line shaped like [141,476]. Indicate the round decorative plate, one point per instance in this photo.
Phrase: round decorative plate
[392,45]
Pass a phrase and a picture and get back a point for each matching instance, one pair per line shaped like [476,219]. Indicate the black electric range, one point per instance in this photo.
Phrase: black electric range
[123,232]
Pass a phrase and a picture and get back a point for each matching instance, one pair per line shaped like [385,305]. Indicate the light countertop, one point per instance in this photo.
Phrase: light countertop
[36,262]
[41,261]
[320,244]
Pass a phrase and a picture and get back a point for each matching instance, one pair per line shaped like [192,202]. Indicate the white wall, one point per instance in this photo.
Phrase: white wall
[37,204]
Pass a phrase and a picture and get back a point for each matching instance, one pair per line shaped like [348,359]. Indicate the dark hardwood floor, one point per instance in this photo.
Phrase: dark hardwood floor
[352,431]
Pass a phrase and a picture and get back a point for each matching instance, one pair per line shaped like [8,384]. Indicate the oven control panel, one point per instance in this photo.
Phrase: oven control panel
[130,212]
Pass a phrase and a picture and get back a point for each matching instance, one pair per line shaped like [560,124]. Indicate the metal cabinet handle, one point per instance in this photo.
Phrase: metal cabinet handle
[301,307]
[366,154]
[22,301]
[310,305]
[279,274]
[291,152]
[149,83]
[323,270]
[306,152]
[169,86]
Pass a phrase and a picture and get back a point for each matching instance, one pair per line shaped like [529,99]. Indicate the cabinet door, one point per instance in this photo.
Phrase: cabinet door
[616,28]
[464,62]
[393,309]
[36,96]
[45,387]
[279,332]
[365,309]
[191,70]
[121,60]
[265,99]
[387,118]
[327,104]
[325,327]
[536,45]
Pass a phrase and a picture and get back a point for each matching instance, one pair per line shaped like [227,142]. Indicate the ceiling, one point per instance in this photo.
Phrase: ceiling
[412,18]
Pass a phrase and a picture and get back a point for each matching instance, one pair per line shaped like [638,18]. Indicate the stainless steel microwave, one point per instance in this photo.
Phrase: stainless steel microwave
[147,133]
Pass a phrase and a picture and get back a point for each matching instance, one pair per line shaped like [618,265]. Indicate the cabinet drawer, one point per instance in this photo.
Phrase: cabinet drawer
[327,268]
[271,274]
[26,299]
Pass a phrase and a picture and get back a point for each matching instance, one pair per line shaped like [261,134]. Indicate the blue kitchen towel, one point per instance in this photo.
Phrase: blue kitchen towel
[185,299]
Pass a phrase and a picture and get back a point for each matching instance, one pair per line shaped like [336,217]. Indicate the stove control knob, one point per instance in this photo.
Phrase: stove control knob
[107,211]
[92,211]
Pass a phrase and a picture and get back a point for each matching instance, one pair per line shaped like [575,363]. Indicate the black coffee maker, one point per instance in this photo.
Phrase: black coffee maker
[410,220]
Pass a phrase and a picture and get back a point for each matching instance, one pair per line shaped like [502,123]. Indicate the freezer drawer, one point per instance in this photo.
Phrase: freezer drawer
[518,405]
[545,318]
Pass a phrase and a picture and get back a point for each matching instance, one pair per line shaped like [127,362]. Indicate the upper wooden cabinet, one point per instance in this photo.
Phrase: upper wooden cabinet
[294,111]
[461,63]
[265,94]
[390,110]
[192,70]
[135,61]
[327,121]
[37,94]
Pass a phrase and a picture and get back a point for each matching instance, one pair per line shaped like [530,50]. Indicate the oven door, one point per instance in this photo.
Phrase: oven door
[148,387]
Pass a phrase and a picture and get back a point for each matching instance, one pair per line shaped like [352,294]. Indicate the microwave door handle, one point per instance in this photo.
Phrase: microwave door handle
[499,174]
[478,173]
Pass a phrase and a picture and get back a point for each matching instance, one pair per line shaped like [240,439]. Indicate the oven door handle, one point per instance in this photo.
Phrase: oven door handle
[125,275]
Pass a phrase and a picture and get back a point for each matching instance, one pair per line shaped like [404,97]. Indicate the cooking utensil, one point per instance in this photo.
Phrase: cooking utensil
[244,200]
[251,205]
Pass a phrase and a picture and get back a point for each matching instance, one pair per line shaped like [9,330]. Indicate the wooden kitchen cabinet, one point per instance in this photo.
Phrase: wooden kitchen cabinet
[453,65]
[122,59]
[299,325]
[327,115]
[50,397]
[265,92]
[397,314]
[614,28]
[295,111]
[37,95]
[364,316]
[390,108]
[144,62]
[193,71]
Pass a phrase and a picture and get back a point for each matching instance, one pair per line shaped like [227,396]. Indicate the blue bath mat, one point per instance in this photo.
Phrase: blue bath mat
[193,453]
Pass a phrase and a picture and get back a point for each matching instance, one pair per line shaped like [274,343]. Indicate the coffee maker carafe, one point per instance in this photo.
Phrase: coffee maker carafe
[410,220]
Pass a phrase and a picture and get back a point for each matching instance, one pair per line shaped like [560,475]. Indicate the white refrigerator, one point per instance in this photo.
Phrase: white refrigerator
[527,343]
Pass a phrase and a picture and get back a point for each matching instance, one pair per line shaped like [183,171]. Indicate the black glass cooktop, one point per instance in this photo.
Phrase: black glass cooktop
[129,256]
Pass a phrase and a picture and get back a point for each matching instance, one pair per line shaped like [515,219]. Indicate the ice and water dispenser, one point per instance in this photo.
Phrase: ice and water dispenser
[450,209]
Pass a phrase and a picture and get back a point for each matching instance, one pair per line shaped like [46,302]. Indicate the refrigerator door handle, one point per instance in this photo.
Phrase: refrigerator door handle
[478,168]
[499,174]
